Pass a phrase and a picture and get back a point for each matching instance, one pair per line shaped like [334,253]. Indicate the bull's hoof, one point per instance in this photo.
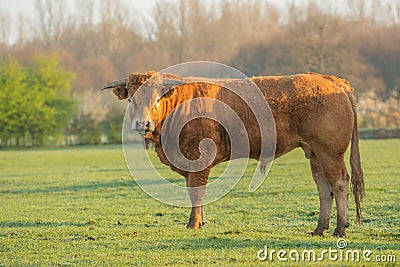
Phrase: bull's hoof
[316,233]
[339,232]
[195,222]
[194,225]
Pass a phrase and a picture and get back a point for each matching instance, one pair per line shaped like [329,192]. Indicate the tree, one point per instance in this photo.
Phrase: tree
[5,27]
[13,102]
[112,125]
[52,20]
[35,101]
[85,130]
[51,104]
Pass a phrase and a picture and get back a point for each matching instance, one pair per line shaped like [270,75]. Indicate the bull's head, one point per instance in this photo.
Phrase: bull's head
[153,86]
[127,87]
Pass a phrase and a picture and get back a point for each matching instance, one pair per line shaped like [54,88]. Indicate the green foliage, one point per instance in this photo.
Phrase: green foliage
[112,126]
[85,130]
[13,102]
[35,101]
[91,213]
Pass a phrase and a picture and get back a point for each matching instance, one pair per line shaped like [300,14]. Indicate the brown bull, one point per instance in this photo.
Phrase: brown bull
[312,111]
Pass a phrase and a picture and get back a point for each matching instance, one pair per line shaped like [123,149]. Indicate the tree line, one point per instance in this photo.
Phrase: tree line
[94,42]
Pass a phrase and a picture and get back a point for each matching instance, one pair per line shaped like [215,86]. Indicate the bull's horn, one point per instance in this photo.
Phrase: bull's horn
[122,82]
[170,82]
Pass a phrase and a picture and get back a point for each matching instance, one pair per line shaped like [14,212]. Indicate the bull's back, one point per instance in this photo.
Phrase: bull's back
[281,90]
[309,109]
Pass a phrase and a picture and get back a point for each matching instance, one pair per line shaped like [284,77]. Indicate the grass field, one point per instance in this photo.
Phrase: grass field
[80,206]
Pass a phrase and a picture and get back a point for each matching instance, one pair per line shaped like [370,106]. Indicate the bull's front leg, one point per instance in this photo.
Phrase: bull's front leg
[196,184]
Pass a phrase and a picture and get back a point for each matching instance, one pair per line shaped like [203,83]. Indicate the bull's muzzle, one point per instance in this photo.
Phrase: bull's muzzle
[142,126]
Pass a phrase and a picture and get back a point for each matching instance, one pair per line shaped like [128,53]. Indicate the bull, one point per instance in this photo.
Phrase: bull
[312,111]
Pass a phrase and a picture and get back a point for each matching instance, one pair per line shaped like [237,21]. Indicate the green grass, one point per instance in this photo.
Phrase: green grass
[80,206]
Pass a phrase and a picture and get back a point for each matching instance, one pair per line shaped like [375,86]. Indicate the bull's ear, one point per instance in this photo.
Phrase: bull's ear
[171,82]
[121,92]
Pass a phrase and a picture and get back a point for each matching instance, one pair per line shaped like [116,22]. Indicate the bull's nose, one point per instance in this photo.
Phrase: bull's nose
[141,126]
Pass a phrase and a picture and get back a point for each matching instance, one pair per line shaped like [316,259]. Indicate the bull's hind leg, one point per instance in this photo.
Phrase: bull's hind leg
[342,204]
[336,174]
[196,184]
[325,197]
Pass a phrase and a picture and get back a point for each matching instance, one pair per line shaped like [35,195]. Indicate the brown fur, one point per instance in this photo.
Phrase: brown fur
[312,111]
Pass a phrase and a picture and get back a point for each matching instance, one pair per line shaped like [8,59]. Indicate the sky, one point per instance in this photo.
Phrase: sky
[27,7]
[144,7]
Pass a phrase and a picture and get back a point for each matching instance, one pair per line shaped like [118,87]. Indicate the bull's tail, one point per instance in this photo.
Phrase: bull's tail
[357,174]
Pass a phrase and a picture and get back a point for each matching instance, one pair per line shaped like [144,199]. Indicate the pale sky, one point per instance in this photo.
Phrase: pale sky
[17,6]
[27,6]
[144,7]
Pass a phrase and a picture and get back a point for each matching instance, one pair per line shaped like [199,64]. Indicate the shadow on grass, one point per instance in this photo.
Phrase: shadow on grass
[220,243]
[83,187]
[88,170]
[91,186]
[40,224]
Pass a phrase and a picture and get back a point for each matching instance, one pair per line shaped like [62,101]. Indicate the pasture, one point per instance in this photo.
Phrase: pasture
[80,206]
